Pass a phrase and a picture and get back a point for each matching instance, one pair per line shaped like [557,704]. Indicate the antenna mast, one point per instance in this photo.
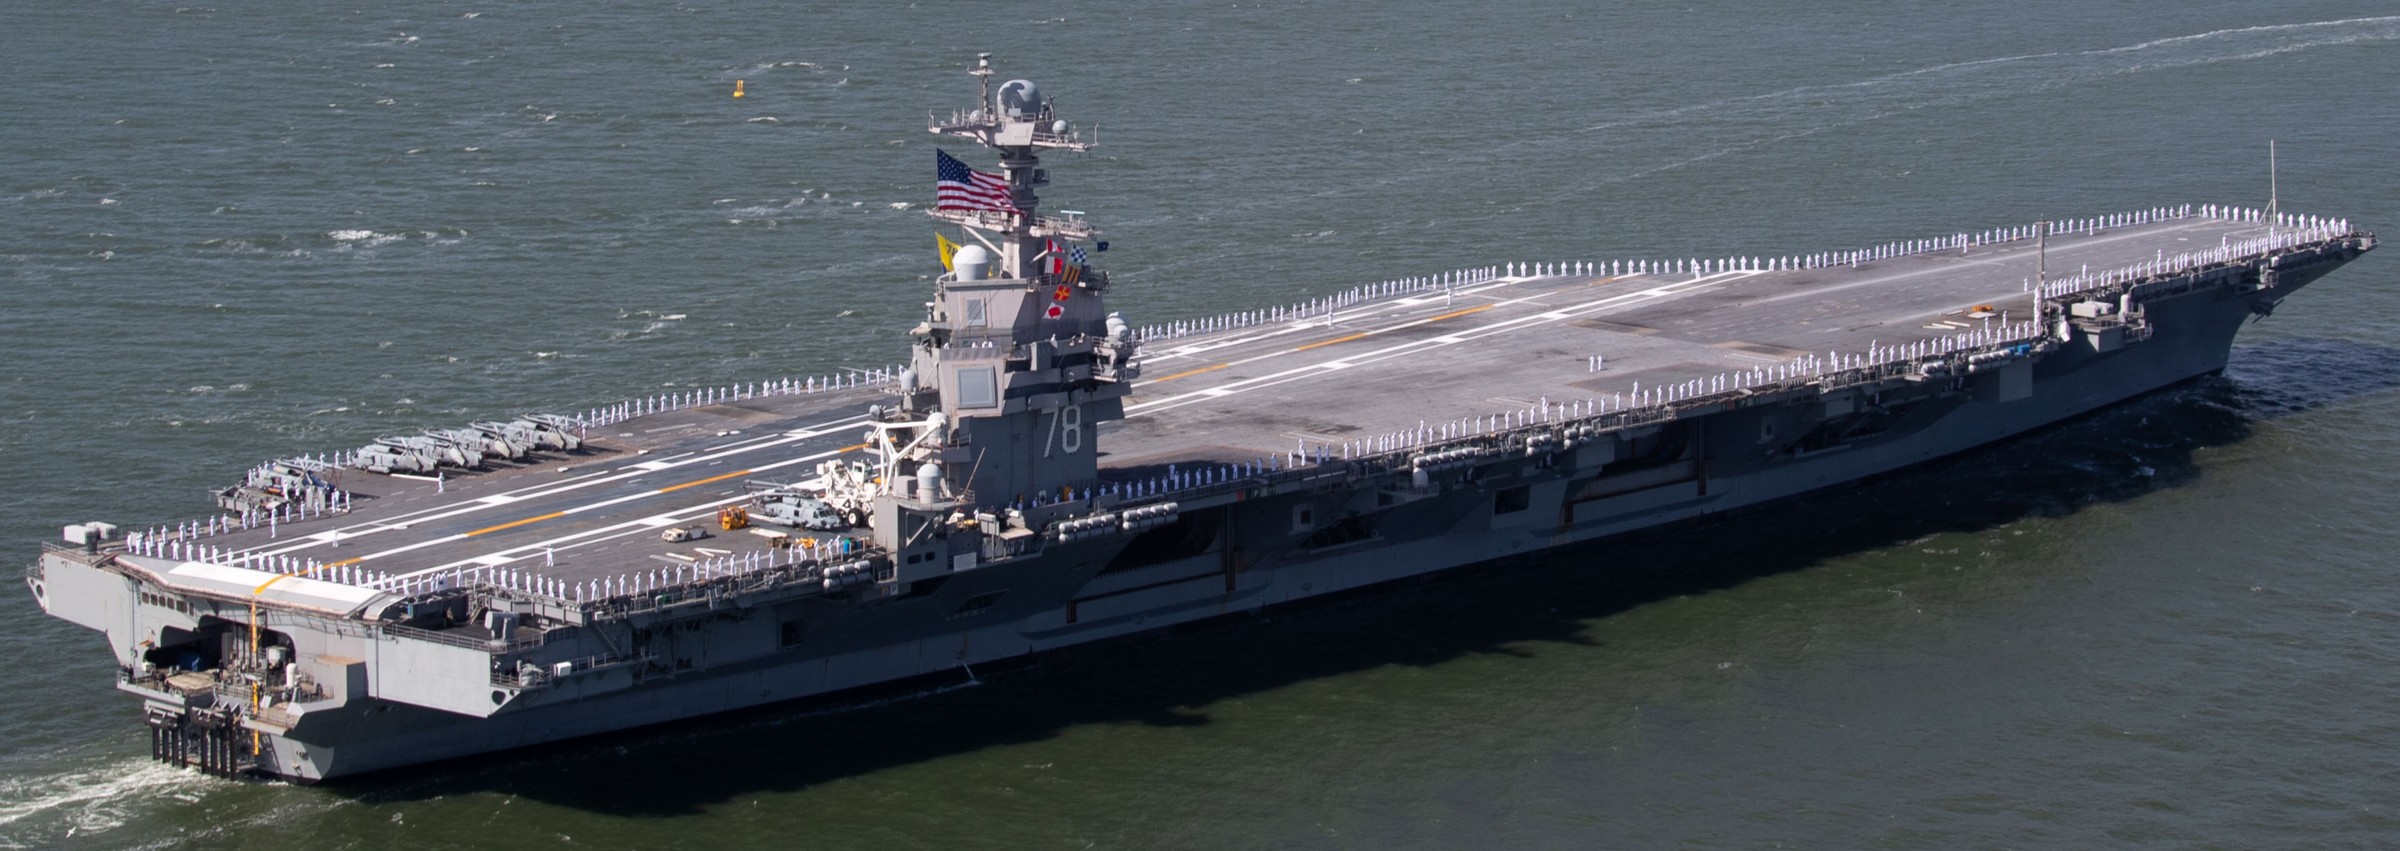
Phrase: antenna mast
[2041,269]
[2272,192]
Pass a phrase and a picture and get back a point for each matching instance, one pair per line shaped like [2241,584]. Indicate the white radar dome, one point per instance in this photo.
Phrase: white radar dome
[1020,99]
[970,262]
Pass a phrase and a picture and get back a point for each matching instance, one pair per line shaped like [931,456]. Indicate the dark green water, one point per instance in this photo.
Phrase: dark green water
[234,232]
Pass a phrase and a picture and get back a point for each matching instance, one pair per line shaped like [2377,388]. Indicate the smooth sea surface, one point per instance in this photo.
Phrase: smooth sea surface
[237,231]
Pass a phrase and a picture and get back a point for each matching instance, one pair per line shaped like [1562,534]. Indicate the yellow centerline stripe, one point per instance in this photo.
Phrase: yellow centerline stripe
[698,482]
[1322,343]
[1191,372]
[516,523]
[1458,313]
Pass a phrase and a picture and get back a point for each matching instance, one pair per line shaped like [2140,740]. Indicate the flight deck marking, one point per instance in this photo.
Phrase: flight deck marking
[548,489]
[1299,324]
[516,523]
[1323,343]
[1400,349]
[592,506]
[627,527]
[1369,333]
[1307,346]
[698,482]
[1451,315]
[1281,352]
[668,489]
[587,537]
[1190,372]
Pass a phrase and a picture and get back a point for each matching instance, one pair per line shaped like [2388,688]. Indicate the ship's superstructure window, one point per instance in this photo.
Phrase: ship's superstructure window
[978,387]
[164,601]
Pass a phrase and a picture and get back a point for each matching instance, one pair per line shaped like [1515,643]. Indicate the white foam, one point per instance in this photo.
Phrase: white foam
[94,799]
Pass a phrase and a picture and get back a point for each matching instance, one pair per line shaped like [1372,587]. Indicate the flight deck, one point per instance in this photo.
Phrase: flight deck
[1312,383]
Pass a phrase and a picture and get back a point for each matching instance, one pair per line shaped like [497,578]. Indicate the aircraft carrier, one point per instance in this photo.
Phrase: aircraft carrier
[1043,472]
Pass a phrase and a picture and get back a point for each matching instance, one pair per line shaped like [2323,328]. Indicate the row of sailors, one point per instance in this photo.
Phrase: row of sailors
[1697,266]
[1806,367]
[1318,308]
[526,582]
[504,579]
[2303,230]
[1692,266]
[153,541]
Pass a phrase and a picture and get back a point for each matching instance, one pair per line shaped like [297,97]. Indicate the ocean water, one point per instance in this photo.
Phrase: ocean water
[233,232]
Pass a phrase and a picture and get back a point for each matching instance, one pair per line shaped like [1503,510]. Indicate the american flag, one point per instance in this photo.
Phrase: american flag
[958,187]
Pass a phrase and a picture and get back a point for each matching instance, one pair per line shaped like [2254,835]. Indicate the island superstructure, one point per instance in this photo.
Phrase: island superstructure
[1042,471]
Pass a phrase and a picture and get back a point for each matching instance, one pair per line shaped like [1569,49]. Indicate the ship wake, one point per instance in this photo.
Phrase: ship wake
[43,808]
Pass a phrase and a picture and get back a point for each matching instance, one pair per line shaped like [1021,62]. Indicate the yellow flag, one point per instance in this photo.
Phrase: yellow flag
[948,248]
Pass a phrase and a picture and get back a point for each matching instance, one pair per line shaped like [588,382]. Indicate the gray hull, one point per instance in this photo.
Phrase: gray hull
[1255,559]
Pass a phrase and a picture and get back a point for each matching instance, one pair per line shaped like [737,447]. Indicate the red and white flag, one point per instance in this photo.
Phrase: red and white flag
[957,187]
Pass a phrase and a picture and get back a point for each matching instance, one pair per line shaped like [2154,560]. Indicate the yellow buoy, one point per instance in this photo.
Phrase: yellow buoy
[737,88]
